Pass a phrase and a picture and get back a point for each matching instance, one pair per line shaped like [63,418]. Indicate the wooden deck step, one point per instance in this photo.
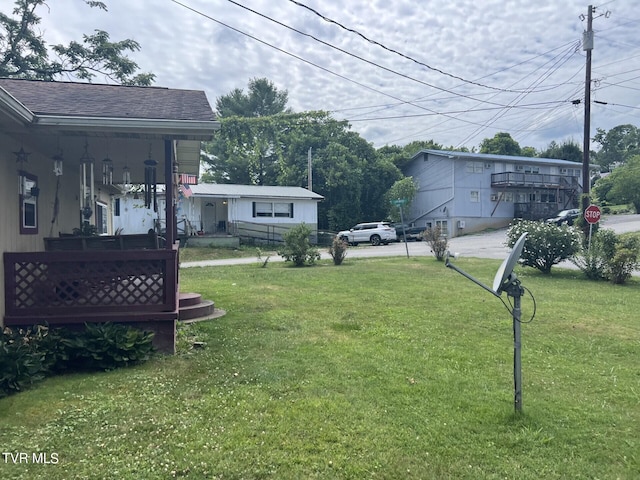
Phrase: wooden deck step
[193,308]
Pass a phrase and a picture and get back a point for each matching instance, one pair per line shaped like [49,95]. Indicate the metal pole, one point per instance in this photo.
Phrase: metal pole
[587,45]
[517,360]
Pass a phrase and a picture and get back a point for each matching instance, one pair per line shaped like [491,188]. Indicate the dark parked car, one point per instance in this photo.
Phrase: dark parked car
[412,232]
[565,217]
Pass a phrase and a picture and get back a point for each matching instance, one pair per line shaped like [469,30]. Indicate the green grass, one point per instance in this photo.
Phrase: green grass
[380,368]
[196,254]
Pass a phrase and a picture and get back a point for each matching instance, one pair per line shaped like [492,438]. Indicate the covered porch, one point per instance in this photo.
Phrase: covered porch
[79,145]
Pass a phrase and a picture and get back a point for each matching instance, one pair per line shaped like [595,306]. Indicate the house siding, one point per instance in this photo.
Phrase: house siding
[11,240]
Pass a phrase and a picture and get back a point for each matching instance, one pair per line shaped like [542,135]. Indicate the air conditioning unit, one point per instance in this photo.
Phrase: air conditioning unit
[494,197]
[461,224]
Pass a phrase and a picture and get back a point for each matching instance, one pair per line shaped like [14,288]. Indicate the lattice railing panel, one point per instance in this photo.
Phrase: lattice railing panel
[43,283]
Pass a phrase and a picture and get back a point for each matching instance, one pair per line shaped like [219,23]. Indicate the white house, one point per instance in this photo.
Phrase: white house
[466,192]
[209,213]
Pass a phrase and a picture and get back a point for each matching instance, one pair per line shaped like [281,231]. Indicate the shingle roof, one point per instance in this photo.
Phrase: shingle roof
[109,101]
[229,190]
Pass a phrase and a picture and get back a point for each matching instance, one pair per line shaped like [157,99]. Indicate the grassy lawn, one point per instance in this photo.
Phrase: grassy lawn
[380,368]
[196,254]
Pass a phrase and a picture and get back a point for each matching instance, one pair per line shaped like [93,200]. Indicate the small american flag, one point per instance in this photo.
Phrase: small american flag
[185,191]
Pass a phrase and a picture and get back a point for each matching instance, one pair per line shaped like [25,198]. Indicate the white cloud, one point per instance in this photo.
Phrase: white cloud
[508,45]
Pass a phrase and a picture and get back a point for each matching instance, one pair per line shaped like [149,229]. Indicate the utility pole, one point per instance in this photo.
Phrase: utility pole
[587,44]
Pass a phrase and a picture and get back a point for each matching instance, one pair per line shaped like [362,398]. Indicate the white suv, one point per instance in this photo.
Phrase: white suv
[374,232]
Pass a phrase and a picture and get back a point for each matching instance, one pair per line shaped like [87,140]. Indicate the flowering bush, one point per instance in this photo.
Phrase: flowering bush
[546,244]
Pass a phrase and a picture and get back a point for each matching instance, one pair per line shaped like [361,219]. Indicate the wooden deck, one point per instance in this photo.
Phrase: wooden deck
[76,287]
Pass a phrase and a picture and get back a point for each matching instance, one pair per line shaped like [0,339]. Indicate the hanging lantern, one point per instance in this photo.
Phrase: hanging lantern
[107,171]
[150,193]
[126,177]
[58,161]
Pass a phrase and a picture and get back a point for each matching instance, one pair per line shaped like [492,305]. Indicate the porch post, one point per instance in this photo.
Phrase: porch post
[170,212]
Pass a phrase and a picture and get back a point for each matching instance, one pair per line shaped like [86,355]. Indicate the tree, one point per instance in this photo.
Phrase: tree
[500,144]
[263,99]
[623,184]
[404,189]
[24,52]
[568,150]
[616,145]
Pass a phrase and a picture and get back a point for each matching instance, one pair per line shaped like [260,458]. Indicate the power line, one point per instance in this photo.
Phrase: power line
[395,72]
[329,20]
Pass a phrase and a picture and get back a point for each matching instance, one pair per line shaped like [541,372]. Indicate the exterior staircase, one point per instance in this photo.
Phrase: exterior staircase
[192,308]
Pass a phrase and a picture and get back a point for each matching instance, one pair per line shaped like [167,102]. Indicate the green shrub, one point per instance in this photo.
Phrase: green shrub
[437,241]
[593,260]
[106,346]
[21,362]
[338,250]
[610,257]
[546,244]
[27,355]
[297,247]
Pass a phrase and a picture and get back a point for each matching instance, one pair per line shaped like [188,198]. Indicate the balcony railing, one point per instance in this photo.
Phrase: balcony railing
[537,180]
[90,286]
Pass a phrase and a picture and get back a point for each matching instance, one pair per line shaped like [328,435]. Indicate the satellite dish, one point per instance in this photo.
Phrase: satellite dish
[506,280]
[503,275]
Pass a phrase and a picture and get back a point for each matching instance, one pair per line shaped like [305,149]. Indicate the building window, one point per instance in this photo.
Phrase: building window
[444,226]
[101,218]
[475,196]
[28,201]
[283,210]
[474,167]
[262,209]
[268,209]
[116,207]
[507,196]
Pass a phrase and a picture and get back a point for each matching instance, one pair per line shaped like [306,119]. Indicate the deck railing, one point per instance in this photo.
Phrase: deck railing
[81,286]
[540,180]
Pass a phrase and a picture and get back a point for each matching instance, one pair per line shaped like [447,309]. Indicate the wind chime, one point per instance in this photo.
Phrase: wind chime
[86,183]
[150,189]
[107,168]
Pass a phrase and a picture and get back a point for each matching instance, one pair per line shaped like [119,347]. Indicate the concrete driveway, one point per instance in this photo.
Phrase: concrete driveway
[482,245]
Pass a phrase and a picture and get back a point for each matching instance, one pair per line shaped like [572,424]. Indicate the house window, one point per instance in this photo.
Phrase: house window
[262,209]
[283,210]
[28,201]
[116,207]
[444,226]
[101,218]
[519,168]
[475,196]
[268,209]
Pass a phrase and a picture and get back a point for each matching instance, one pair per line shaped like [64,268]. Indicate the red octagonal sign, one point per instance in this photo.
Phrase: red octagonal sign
[592,214]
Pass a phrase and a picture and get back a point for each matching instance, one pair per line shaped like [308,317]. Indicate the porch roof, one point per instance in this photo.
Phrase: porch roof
[66,114]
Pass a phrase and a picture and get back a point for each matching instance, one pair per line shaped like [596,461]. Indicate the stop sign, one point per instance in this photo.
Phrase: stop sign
[592,214]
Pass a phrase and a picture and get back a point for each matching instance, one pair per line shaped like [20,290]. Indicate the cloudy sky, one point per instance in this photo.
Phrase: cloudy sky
[455,71]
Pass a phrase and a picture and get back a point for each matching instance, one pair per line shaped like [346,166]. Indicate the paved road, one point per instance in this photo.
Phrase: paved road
[482,245]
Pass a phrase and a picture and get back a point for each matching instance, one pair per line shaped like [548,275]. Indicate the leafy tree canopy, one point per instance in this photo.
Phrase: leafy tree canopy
[623,184]
[24,52]
[500,144]
[262,99]
[404,189]
[616,145]
[567,150]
